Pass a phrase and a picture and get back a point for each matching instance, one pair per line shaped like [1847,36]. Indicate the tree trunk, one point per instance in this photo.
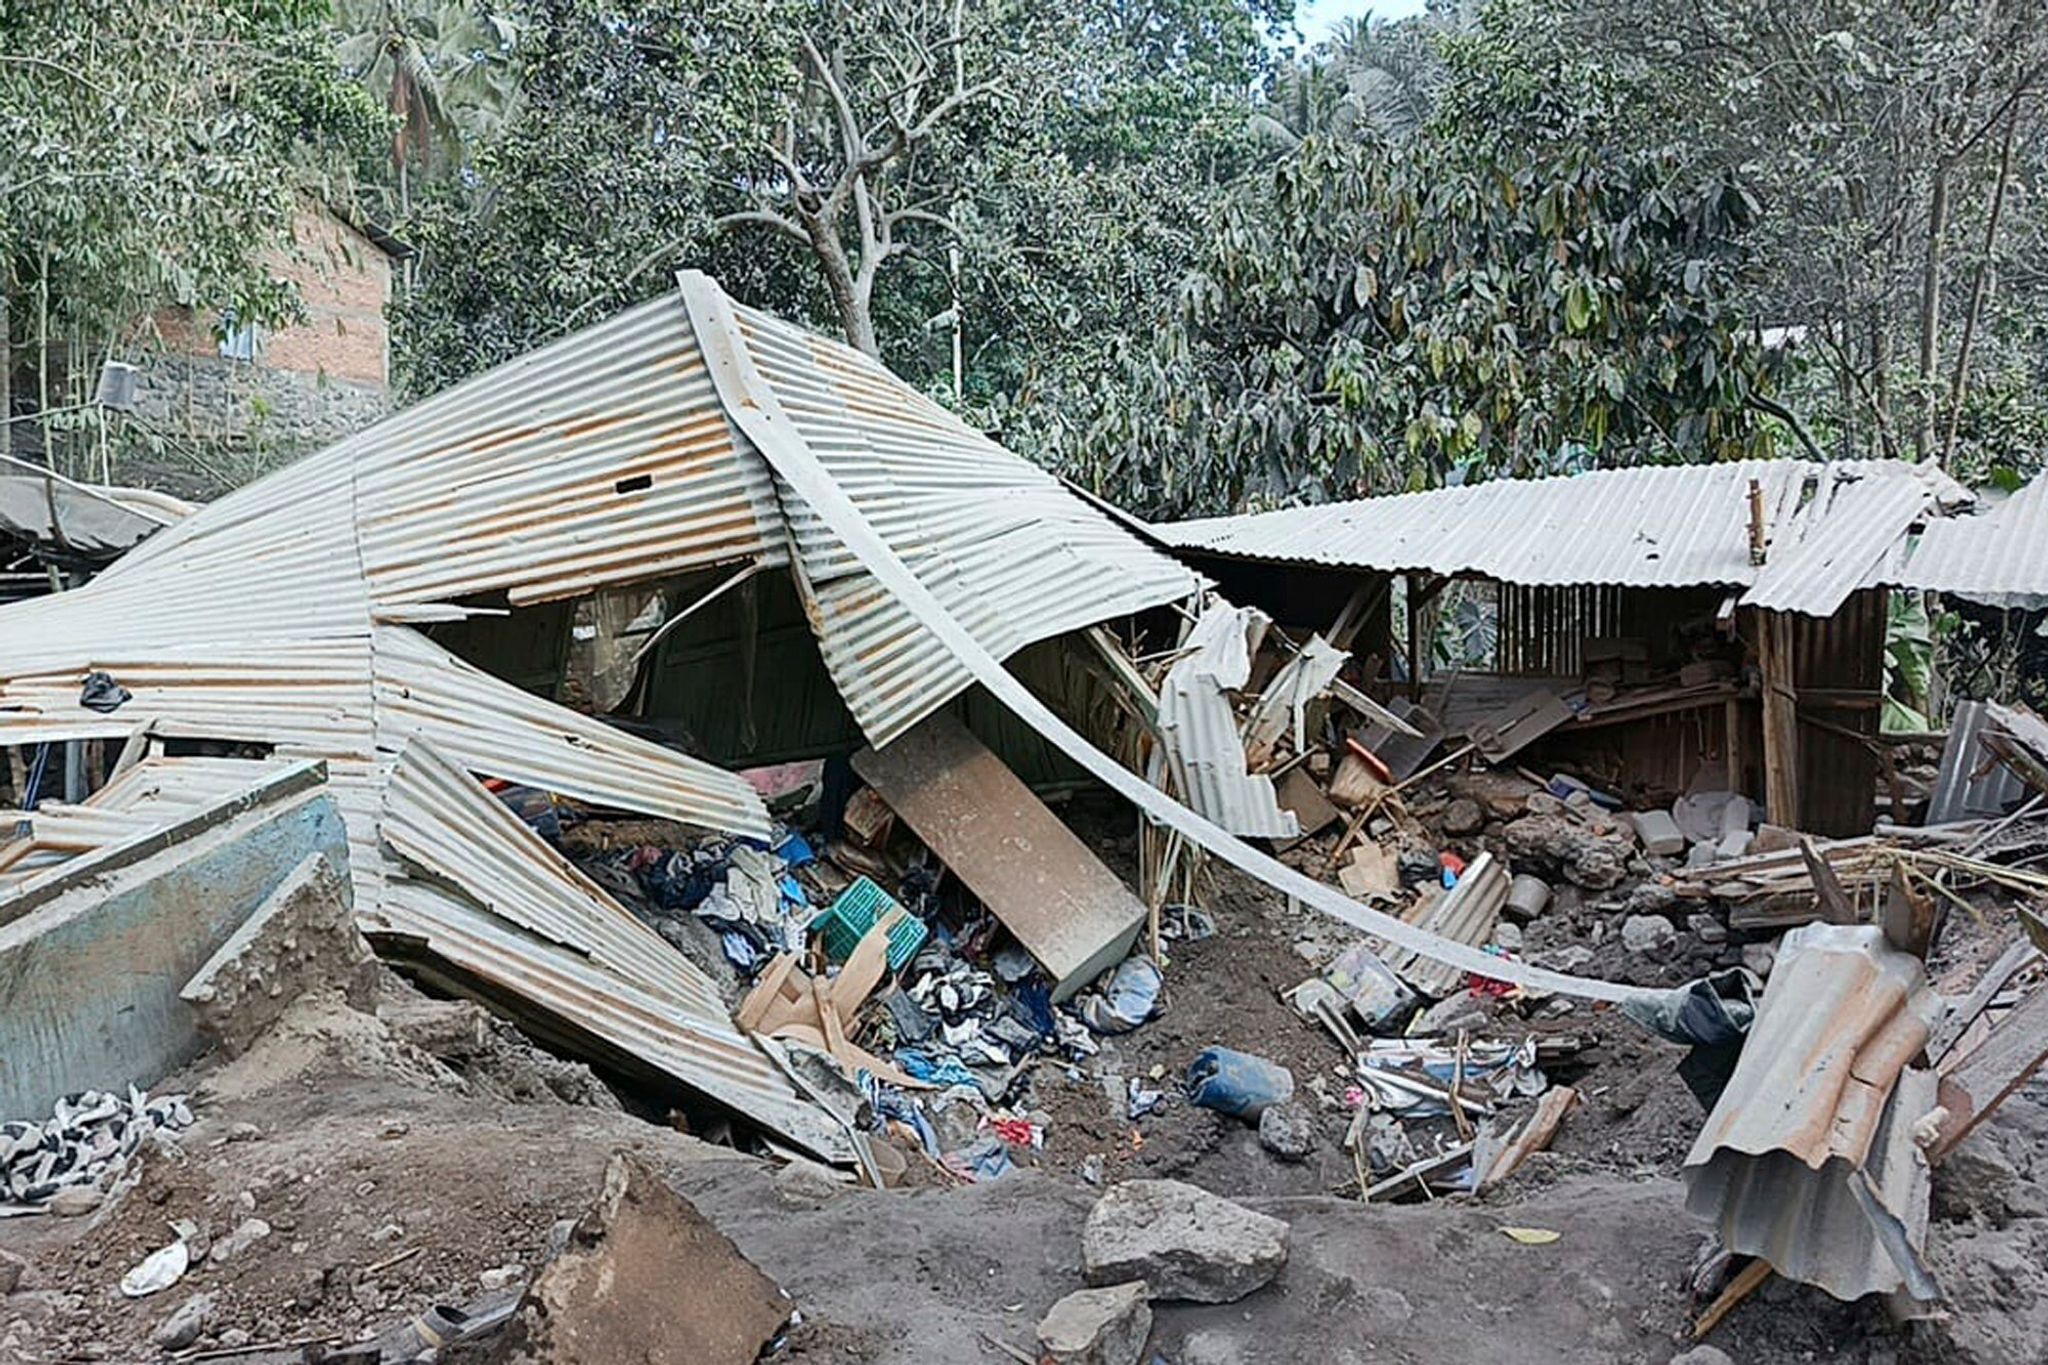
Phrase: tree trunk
[1930,311]
[1980,288]
[855,317]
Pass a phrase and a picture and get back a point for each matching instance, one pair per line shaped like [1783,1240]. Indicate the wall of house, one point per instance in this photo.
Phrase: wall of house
[344,282]
[306,385]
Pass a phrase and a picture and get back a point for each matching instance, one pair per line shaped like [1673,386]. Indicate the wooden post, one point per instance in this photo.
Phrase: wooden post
[1781,719]
[1731,746]
[1414,641]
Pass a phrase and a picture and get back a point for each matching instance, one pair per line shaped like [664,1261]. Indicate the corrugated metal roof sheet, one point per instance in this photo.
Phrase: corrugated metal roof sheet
[490,897]
[1659,526]
[1818,1096]
[1009,549]
[1998,557]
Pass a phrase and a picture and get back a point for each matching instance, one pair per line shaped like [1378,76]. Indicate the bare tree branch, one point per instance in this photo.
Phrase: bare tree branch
[767,218]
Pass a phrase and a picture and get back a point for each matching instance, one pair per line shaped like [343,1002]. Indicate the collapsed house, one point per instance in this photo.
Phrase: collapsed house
[291,619]
[1719,625]
[742,544]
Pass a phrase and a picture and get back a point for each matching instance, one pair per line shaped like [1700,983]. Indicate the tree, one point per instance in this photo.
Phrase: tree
[1873,133]
[633,123]
[443,69]
[1504,291]
[1061,204]
[847,180]
[155,164]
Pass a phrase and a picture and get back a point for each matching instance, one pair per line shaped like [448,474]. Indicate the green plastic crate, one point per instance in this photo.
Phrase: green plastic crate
[859,906]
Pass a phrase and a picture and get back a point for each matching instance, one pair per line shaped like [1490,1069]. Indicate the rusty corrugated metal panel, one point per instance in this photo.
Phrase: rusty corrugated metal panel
[492,727]
[1838,669]
[1015,555]
[1659,526]
[603,458]
[1816,1097]
[489,897]
[1998,557]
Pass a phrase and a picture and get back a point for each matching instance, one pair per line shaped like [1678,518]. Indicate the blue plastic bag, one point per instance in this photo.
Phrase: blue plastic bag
[1238,1083]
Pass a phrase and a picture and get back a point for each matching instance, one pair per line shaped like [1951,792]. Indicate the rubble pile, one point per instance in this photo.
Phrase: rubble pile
[1286,909]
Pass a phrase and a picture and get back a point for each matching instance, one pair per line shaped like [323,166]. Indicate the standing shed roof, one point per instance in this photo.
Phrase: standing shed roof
[1832,528]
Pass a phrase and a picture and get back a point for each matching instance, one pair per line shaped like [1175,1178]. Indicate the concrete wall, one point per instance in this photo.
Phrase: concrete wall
[226,403]
[89,978]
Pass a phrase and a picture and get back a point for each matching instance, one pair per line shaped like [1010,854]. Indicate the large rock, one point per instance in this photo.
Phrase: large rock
[1182,1241]
[1097,1327]
[1648,935]
[1593,860]
[646,1278]
[183,1327]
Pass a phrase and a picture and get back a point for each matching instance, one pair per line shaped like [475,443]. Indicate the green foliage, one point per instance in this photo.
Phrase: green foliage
[1908,666]
[444,68]
[611,172]
[1495,294]
[154,161]
[1078,188]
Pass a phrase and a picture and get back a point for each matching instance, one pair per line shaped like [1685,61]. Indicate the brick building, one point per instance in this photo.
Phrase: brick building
[283,390]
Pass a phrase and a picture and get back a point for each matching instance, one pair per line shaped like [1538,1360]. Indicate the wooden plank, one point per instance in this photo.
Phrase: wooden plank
[1978,1083]
[1066,908]
[1781,719]
[1510,730]
[1835,905]
[1960,1016]
[1533,1136]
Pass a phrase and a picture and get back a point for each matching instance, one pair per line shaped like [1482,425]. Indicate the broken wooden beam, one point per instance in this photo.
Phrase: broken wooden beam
[1980,1081]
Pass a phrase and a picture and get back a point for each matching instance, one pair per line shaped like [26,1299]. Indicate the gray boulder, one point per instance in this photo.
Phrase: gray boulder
[1106,1326]
[183,1327]
[1182,1241]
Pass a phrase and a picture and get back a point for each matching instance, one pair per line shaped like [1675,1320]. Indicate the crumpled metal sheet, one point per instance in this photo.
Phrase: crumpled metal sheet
[281,614]
[485,895]
[1822,1091]
[756,409]
[1198,726]
[1998,557]
[1014,555]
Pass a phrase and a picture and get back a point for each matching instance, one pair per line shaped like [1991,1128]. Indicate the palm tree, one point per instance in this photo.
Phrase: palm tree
[1368,75]
[444,69]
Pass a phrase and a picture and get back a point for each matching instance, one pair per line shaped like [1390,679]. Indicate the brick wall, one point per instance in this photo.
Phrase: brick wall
[344,282]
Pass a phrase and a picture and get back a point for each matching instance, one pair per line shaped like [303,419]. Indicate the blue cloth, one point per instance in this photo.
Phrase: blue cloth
[1237,1083]
[937,1070]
